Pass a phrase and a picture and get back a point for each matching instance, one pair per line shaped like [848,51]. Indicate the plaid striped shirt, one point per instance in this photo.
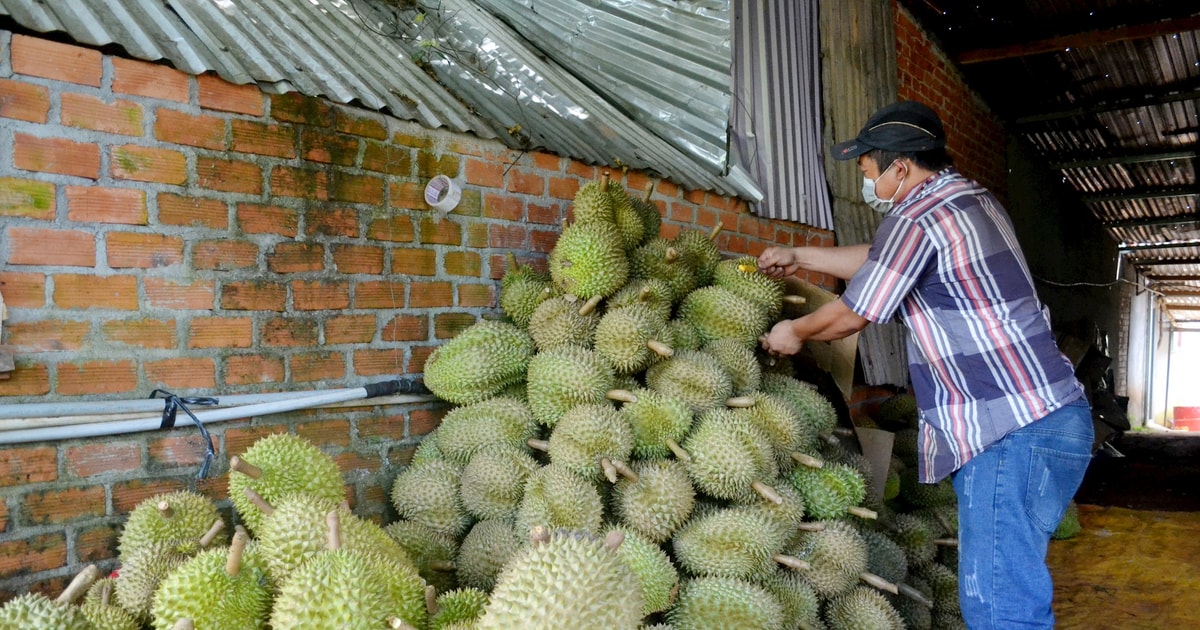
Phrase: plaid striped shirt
[982,357]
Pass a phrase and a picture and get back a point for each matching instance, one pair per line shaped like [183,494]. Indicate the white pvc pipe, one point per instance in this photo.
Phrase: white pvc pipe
[139,405]
[205,416]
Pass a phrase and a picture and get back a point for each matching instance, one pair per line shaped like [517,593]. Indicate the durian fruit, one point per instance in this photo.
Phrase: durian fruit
[730,458]
[834,558]
[460,606]
[943,583]
[700,252]
[656,259]
[715,602]
[631,338]
[485,550]
[651,218]
[278,465]
[1069,526]
[898,412]
[684,336]
[522,289]
[944,518]
[739,362]
[659,422]
[562,579]
[694,377]
[718,313]
[742,277]
[181,518]
[813,409]
[429,494]
[222,587]
[652,568]
[592,440]
[917,615]
[428,450]
[831,491]
[919,495]
[493,482]
[787,516]
[884,557]
[801,604]
[557,498]
[593,202]
[562,378]
[34,610]
[732,542]
[478,362]
[789,438]
[431,552]
[862,609]
[916,537]
[467,429]
[651,293]
[141,573]
[904,447]
[658,502]
[589,260]
[100,608]
[629,221]
[564,321]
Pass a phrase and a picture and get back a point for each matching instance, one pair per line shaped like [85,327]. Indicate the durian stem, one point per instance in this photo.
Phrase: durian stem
[807,460]
[610,471]
[538,445]
[431,604]
[878,582]
[259,502]
[245,467]
[672,255]
[680,454]
[333,521]
[674,594]
[217,527]
[795,300]
[767,492]
[233,563]
[511,260]
[625,471]
[917,596]
[807,526]
[843,431]
[712,236]
[590,305]
[184,624]
[539,534]
[946,542]
[660,348]
[791,562]
[78,585]
[740,402]
[831,439]
[613,540]
[944,522]
[649,191]
[106,593]
[443,565]
[863,512]
[396,623]
[165,510]
[645,294]
[621,395]
[604,179]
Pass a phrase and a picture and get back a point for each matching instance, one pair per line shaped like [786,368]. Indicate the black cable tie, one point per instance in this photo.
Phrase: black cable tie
[174,403]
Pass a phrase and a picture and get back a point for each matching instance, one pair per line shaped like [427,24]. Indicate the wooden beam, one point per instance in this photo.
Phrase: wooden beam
[1158,262]
[1182,219]
[1163,192]
[1086,39]
[1116,102]
[1141,247]
[1130,158]
[1170,278]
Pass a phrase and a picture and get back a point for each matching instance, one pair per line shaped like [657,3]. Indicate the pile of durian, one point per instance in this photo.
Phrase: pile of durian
[618,454]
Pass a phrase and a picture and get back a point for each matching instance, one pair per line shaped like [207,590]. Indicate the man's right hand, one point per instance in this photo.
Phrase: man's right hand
[778,262]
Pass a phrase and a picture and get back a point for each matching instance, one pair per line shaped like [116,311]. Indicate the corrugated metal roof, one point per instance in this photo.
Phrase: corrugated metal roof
[642,84]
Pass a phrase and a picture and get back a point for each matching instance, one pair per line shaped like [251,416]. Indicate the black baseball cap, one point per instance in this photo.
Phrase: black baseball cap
[906,126]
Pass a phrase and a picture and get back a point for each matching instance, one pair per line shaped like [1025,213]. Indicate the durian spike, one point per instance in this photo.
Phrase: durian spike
[431,605]
[217,527]
[614,539]
[649,192]
[539,534]
[672,255]
[712,236]
[443,565]
[610,471]
[590,305]
[538,445]
[245,467]
[767,492]
[680,454]
[82,581]
[795,300]
[233,562]
[878,582]
[259,502]
[740,402]
[334,522]
[791,562]
[946,542]
[862,512]
[625,471]
[660,348]
[917,596]
[807,460]
[164,508]
[184,624]
[621,395]
[396,623]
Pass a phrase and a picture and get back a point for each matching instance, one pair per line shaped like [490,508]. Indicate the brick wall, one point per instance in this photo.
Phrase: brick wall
[160,230]
[975,138]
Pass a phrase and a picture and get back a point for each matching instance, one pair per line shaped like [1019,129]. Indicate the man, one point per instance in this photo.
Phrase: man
[1000,408]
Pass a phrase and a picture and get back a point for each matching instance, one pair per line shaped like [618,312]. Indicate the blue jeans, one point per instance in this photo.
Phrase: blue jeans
[1010,499]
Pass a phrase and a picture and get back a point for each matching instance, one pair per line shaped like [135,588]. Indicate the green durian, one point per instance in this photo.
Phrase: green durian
[557,498]
[485,550]
[657,259]
[836,557]
[729,458]
[801,604]
[631,338]
[1069,526]
[464,605]
[714,602]
[742,277]
[653,569]
[522,289]
[739,363]
[588,435]
[432,552]
[493,482]
[478,362]
[429,494]
[276,466]
[224,587]
[36,611]
[659,422]
[658,503]
[651,293]
[733,542]
[813,409]
[862,608]
[718,313]
[466,430]
[829,492]
[563,321]
[141,573]
[562,378]
[694,377]
[181,518]
[700,252]
[589,260]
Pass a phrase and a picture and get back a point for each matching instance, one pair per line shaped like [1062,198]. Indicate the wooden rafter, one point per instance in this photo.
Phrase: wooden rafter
[1086,39]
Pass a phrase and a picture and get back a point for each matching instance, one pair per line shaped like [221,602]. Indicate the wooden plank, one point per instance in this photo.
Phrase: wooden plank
[1086,39]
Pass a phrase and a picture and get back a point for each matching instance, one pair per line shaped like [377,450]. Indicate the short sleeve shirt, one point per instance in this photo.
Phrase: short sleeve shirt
[982,356]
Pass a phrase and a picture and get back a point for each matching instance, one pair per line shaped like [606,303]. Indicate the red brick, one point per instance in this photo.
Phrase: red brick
[27,198]
[563,188]
[255,218]
[406,328]
[431,294]
[221,332]
[147,164]
[73,291]
[397,229]
[47,335]
[319,145]
[414,262]
[317,366]
[97,204]
[401,456]
[97,458]
[358,259]
[419,140]
[448,325]
[96,544]
[296,257]
[359,123]
[217,93]
[153,80]
[430,164]
[56,155]
[378,362]
[133,250]
[142,333]
[410,196]
[235,176]
[254,296]
[127,495]
[358,329]
[176,451]
[298,108]
[33,555]
[333,222]
[97,377]
[181,373]
[379,294]
[193,130]
[385,158]
[440,232]
[422,421]
[320,295]
[252,369]
[288,331]
[225,255]
[326,433]
[39,57]
[353,188]
[476,295]
[506,236]
[287,181]
[417,358]
[23,465]
[192,211]
[459,263]
[24,101]
[26,380]
[381,428]
[543,241]
[355,463]
[88,112]
[54,507]
[526,183]
[477,235]
[37,246]
[503,207]
[263,139]
[484,173]
[163,293]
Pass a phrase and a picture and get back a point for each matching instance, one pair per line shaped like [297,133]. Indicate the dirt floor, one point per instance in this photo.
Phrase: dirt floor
[1136,564]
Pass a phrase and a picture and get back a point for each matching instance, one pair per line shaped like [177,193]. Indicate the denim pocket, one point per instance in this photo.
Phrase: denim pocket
[1054,476]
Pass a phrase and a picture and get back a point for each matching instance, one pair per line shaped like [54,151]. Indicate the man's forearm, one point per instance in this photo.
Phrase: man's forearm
[832,321]
[839,262]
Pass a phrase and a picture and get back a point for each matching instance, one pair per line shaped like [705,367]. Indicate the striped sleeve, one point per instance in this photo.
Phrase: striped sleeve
[897,258]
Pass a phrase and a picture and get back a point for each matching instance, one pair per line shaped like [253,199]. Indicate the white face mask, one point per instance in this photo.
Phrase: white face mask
[868,191]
